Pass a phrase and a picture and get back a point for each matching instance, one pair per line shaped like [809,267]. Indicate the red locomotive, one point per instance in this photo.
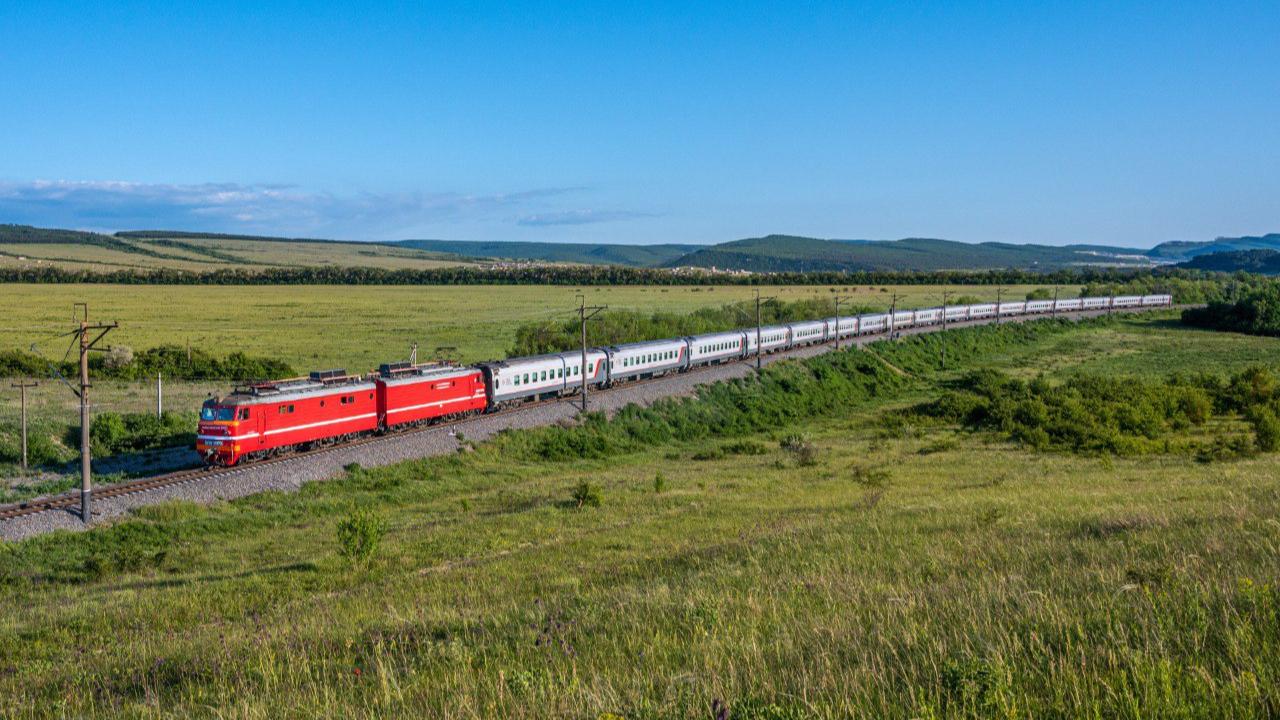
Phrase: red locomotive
[266,419]
[410,395]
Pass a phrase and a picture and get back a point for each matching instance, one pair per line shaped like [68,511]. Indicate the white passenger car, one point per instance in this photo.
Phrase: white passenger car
[647,359]
[716,347]
[772,339]
[808,333]
[875,323]
[842,326]
[928,316]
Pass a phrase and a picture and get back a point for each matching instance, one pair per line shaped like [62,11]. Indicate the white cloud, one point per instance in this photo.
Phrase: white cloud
[233,207]
[578,217]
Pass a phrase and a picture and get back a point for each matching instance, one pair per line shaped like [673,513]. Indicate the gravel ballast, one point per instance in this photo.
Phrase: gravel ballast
[290,475]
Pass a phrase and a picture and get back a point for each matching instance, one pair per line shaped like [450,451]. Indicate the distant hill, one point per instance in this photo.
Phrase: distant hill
[593,254]
[789,253]
[1266,262]
[1184,250]
[26,246]
[22,245]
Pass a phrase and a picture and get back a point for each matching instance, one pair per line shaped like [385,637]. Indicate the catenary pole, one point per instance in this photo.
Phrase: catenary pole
[946,294]
[585,313]
[22,388]
[759,329]
[839,299]
[87,345]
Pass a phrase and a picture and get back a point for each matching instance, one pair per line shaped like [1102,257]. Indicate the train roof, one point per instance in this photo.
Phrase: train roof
[322,382]
[403,372]
[507,362]
[646,343]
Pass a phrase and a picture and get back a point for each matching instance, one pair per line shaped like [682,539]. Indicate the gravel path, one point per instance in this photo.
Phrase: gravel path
[291,475]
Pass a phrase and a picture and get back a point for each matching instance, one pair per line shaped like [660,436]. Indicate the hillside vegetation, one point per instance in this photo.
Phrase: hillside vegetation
[36,250]
[784,253]
[818,561]
[1266,262]
[169,256]
[587,253]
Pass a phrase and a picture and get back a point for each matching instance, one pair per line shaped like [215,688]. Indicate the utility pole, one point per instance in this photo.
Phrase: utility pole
[585,313]
[22,387]
[159,395]
[86,486]
[893,310]
[839,299]
[999,295]
[413,354]
[1053,311]
[946,294]
[759,344]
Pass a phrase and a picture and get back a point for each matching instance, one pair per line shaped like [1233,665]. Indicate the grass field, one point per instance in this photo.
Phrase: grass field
[929,573]
[358,327]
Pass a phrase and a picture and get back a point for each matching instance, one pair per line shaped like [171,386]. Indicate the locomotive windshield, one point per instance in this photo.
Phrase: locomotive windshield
[211,412]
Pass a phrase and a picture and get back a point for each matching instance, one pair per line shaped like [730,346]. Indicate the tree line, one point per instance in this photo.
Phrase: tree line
[600,275]
[1250,308]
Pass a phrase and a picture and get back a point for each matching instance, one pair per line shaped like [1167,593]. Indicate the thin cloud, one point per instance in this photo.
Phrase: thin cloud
[579,217]
[114,205]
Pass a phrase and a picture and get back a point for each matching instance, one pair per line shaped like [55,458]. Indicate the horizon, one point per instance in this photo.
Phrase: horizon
[1120,126]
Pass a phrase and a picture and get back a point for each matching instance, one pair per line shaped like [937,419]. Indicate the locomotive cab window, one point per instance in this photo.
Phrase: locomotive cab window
[210,413]
[244,413]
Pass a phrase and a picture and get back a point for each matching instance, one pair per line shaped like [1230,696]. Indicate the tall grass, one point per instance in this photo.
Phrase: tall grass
[895,575]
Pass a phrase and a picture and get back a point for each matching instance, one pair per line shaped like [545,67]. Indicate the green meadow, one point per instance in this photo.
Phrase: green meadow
[843,564]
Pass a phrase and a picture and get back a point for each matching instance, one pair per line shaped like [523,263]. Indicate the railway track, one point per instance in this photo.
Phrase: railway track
[71,500]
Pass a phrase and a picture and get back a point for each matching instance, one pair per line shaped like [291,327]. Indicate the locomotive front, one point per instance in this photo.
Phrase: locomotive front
[218,432]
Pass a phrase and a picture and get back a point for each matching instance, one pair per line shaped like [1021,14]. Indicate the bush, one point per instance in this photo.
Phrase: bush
[874,477]
[113,433]
[1103,414]
[800,448]
[1266,429]
[586,495]
[118,357]
[359,535]
[659,483]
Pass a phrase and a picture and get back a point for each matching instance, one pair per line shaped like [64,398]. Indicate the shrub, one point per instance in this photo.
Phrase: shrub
[1266,429]
[359,535]
[112,433]
[1103,414]
[659,483]
[586,495]
[867,476]
[746,447]
[800,448]
[118,357]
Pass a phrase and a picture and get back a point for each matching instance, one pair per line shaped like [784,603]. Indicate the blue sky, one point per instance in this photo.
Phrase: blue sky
[616,122]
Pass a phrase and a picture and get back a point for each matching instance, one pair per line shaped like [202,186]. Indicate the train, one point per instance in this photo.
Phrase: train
[266,419]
